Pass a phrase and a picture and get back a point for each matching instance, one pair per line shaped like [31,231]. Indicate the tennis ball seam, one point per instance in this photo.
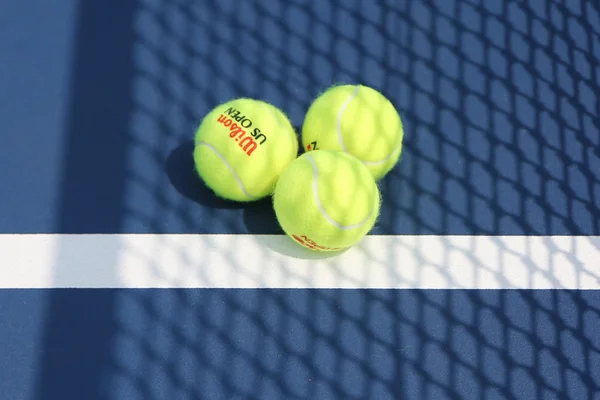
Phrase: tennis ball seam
[315,186]
[237,178]
[341,137]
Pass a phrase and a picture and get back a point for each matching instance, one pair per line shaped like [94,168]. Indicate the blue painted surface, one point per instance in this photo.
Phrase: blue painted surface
[500,109]
[98,104]
[186,344]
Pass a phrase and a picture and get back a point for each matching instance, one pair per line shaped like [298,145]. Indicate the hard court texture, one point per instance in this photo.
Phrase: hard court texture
[123,278]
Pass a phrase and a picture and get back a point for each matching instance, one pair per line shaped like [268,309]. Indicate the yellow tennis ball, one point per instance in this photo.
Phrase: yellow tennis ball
[242,146]
[359,120]
[326,200]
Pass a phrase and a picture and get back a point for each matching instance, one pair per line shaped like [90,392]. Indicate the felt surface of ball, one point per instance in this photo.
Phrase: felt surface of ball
[326,200]
[359,120]
[242,146]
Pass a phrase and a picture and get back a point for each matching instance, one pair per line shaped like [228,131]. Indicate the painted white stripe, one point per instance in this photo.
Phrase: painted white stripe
[264,261]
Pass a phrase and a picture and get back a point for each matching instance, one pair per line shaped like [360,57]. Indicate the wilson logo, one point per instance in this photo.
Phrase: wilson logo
[306,241]
[241,130]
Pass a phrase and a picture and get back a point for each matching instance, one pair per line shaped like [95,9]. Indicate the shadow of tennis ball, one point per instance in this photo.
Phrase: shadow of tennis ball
[182,175]
[283,244]
[260,220]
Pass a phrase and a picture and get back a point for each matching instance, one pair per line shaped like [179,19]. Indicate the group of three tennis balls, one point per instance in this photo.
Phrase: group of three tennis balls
[327,198]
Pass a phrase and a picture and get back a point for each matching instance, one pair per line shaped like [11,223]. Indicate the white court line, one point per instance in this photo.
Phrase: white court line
[265,261]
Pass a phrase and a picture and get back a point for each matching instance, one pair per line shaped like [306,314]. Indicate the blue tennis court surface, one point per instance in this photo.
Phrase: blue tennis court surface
[122,277]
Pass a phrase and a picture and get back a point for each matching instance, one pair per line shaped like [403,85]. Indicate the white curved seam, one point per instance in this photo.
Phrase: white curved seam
[339,119]
[320,206]
[385,159]
[341,137]
[237,178]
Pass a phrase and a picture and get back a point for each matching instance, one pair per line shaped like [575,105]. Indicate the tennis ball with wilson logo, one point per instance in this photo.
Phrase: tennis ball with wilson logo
[241,148]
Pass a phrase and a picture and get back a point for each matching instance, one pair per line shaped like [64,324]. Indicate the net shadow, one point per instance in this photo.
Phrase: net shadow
[499,101]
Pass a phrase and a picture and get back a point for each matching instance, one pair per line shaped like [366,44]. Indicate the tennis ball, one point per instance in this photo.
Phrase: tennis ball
[326,200]
[242,146]
[359,120]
